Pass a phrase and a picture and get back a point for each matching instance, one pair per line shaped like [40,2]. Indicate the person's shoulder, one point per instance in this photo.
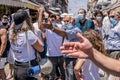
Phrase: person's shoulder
[76,28]
[30,31]
[3,30]
[89,20]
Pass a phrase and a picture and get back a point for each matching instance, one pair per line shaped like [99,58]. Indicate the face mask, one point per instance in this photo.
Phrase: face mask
[99,18]
[80,16]
[113,21]
[69,27]
[53,24]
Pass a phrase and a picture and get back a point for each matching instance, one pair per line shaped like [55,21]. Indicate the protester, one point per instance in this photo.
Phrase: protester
[89,69]
[68,32]
[22,28]
[54,42]
[98,22]
[3,43]
[82,22]
[4,22]
[113,41]
[107,26]
[86,50]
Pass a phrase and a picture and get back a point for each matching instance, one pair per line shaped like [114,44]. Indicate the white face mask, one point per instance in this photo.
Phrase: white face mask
[99,18]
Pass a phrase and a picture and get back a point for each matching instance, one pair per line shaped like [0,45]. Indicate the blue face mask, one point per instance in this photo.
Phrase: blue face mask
[69,26]
[53,24]
[99,18]
[80,16]
[113,21]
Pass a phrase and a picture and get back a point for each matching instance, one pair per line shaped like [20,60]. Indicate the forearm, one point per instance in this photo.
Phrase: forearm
[78,65]
[40,20]
[60,32]
[108,64]
[2,49]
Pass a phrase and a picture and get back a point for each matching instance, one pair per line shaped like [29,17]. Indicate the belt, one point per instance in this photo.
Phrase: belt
[31,61]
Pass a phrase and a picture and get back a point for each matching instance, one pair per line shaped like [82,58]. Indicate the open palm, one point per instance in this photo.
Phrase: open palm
[78,49]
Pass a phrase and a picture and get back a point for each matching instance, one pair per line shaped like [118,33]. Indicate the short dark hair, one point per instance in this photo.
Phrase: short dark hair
[83,10]
[98,12]
[52,16]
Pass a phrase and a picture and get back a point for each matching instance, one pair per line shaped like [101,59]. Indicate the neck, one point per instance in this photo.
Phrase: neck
[82,21]
[99,24]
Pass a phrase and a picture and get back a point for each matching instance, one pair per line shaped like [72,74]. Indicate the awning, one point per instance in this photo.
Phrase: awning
[16,3]
[20,3]
[31,5]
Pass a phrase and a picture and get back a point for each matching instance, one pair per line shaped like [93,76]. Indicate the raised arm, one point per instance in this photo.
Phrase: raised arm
[40,12]
[110,65]
[60,32]
[3,38]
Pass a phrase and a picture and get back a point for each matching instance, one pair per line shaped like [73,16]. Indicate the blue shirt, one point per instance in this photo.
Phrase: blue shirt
[72,33]
[72,36]
[113,42]
[87,24]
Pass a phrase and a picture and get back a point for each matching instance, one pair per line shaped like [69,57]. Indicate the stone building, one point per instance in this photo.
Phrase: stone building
[54,4]
[103,5]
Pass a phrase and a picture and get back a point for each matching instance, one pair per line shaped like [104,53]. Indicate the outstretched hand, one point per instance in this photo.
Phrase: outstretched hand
[81,49]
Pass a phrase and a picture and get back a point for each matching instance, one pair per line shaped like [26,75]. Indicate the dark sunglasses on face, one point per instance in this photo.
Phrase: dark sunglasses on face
[111,16]
[66,20]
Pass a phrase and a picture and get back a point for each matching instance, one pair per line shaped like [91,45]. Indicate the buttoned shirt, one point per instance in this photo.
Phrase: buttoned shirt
[113,42]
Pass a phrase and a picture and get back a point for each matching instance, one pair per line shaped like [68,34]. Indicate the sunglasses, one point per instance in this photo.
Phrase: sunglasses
[66,20]
[111,16]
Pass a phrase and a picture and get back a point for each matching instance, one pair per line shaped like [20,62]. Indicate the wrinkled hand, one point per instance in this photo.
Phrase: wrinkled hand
[81,49]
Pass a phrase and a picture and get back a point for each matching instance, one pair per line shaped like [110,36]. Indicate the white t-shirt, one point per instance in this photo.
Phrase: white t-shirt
[19,47]
[59,25]
[90,70]
[37,31]
[98,28]
[54,42]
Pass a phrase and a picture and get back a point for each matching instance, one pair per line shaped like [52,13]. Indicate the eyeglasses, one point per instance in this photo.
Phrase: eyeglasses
[66,20]
[111,16]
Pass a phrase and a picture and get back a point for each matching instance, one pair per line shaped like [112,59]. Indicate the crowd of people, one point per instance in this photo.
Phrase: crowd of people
[78,47]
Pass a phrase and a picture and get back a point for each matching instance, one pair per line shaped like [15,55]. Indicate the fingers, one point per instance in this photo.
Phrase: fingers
[74,54]
[81,38]
[69,44]
[66,51]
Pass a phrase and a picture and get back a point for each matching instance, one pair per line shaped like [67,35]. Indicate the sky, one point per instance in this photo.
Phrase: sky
[74,5]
